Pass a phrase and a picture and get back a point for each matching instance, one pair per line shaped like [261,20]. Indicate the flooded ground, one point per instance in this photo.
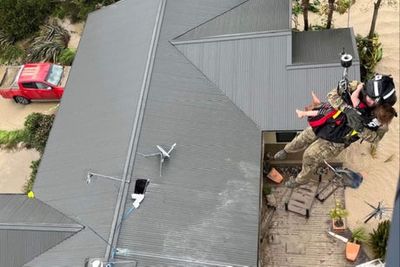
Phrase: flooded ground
[14,169]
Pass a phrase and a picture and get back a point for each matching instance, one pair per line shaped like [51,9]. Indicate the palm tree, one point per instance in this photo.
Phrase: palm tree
[377,4]
[331,7]
[305,5]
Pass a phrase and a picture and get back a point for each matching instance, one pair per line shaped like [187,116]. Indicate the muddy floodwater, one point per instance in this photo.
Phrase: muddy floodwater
[15,170]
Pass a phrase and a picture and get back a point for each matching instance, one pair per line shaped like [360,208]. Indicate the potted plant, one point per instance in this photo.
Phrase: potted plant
[337,214]
[353,246]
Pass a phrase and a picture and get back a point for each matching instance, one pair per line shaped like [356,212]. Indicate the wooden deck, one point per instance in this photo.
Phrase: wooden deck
[290,239]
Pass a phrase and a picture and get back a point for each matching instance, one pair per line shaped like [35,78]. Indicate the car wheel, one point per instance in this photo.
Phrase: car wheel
[22,100]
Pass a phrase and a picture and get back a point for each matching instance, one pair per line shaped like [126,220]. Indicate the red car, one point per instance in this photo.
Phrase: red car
[33,81]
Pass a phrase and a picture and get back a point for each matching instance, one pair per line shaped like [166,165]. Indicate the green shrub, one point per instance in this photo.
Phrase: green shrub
[37,129]
[378,239]
[21,18]
[5,40]
[370,52]
[267,189]
[78,10]
[29,184]
[67,57]
[49,44]
[10,139]
[11,54]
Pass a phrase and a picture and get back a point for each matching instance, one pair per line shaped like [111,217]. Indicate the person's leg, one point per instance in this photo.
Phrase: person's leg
[314,156]
[299,143]
[307,113]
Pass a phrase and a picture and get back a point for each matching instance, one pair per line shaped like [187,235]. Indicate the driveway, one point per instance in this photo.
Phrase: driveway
[14,164]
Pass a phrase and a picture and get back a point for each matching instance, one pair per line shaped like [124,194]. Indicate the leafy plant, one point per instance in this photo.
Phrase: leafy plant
[267,189]
[10,139]
[359,235]
[370,52]
[378,239]
[67,57]
[338,213]
[5,40]
[37,130]
[21,18]
[29,184]
[78,10]
[11,54]
[49,44]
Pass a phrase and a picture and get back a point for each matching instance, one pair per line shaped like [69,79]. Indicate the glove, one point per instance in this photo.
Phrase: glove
[354,119]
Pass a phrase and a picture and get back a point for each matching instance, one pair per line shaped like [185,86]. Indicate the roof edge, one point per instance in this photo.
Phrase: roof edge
[50,227]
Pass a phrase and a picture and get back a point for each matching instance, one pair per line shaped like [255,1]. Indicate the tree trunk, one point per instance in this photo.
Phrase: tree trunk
[330,13]
[305,4]
[377,4]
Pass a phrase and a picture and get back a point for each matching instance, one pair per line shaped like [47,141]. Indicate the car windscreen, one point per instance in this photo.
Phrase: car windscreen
[55,74]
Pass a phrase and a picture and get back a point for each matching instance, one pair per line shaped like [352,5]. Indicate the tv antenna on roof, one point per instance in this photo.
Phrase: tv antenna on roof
[162,153]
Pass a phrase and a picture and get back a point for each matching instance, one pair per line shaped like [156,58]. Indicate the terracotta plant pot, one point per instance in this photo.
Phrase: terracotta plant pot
[338,225]
[352,250]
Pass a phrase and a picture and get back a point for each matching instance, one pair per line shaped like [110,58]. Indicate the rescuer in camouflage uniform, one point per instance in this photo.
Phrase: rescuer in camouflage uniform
[317,149]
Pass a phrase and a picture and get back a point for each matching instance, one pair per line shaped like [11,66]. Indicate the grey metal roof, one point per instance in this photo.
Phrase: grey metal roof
[247,17]
[257,74]
[130,89]
[29,227]
[15,208]
[94,125]
[313,47]
[18,247]
[203,211]
[93,130]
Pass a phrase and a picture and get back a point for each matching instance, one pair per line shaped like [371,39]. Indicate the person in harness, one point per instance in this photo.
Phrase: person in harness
[379,90]
[330,124]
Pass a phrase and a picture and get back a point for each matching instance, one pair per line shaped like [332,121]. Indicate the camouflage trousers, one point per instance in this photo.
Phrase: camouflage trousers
[316,150]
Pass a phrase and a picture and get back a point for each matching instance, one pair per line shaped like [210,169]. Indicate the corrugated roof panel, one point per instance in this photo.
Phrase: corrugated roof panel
[249,16]
[254,74]
[321,47]
[93,126]
[19,208]
[19,247]
[204,209]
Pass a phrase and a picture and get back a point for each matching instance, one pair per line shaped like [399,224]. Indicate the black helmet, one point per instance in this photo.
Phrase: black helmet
[381,88]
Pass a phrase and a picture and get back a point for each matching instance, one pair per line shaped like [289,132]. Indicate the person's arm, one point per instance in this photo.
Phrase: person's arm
[354,119]
[373,136]
[337,101]
[355,96]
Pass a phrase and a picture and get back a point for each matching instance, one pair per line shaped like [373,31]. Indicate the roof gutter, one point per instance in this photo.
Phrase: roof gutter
[130,158]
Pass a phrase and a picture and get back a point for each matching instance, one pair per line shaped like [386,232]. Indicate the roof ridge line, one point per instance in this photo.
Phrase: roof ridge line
[133,142]
[234,36]
[223,13]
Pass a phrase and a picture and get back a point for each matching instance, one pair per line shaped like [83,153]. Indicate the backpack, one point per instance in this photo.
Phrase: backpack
[331,124]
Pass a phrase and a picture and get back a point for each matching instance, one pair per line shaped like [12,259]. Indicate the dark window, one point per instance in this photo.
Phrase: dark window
[42,86]
[30,85]
[285,136]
